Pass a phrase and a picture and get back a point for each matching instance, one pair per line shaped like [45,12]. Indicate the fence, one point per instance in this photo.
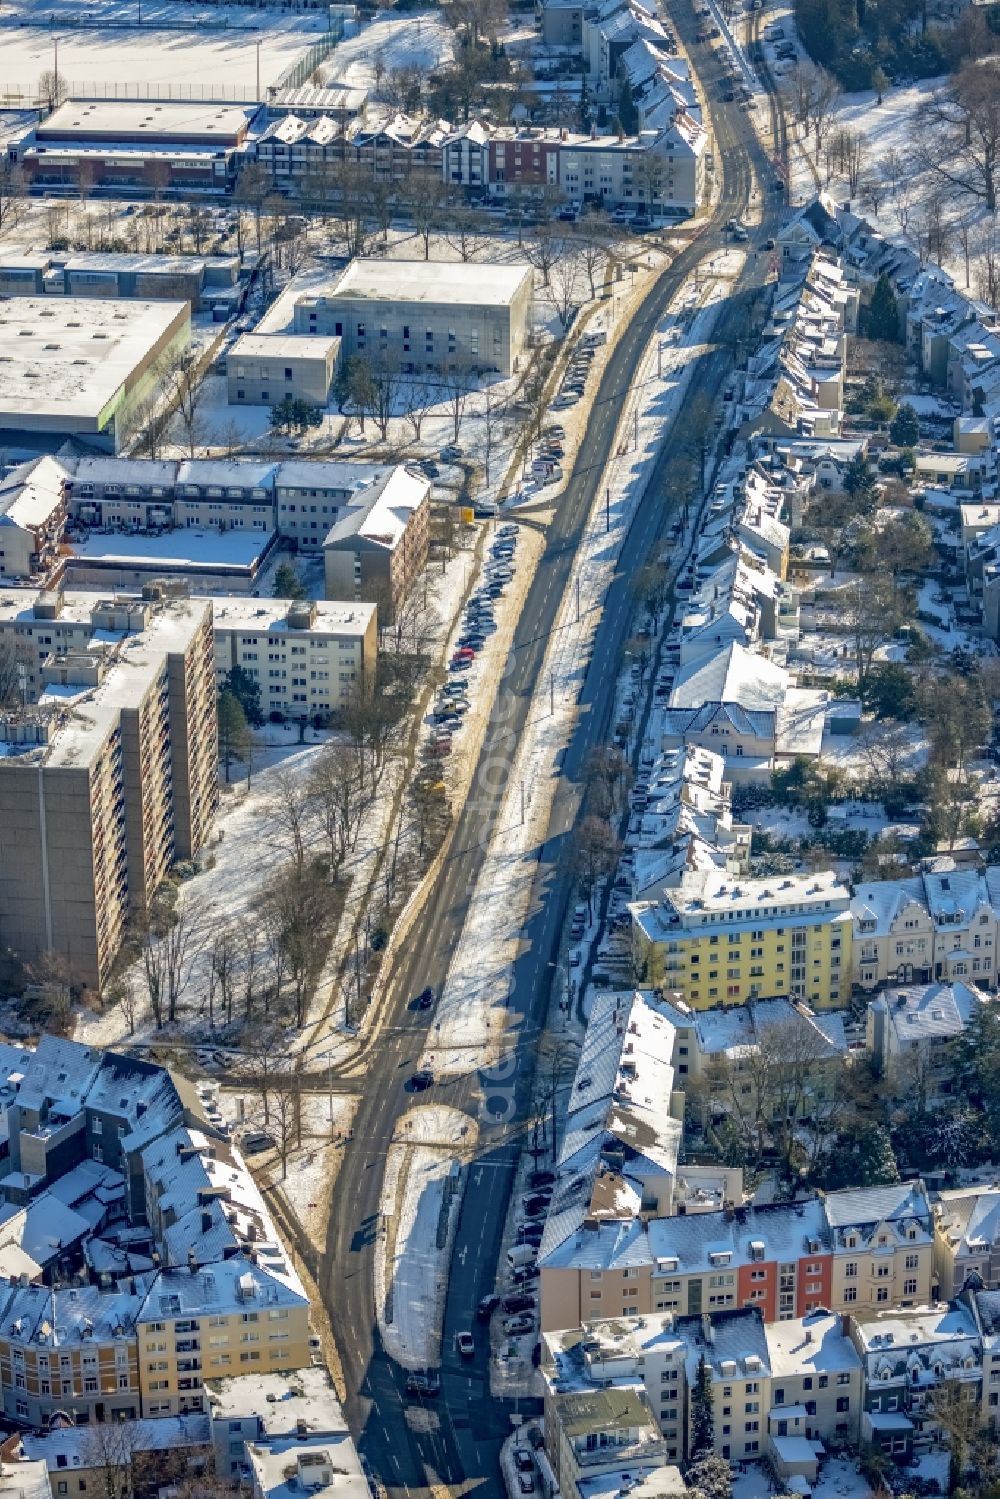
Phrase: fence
[300,72]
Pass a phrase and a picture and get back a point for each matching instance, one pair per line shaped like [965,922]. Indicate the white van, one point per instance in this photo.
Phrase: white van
[521,1254]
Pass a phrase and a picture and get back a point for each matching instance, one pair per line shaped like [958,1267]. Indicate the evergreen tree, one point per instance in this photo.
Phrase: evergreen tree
[234,732]
[881,316]
[905,428]
[247,693]
[859,481]
[287,583]
[861,1157]
[702,1414]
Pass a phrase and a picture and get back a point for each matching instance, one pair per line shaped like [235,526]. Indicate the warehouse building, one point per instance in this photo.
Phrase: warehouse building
[203,280]
[137,146]
[77,368]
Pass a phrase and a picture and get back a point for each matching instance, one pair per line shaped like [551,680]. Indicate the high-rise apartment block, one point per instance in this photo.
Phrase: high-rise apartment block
[107,771]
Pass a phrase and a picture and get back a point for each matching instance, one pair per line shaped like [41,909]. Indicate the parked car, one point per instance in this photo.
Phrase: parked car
[526,1483]
[515,1326]
[256,1142]
[487,1306]
[517,1302]
[423,1382]
[523,1460]
[541,1178]
[421,1080]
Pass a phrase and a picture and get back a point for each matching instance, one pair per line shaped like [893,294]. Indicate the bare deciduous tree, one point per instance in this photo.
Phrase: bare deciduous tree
[960,138]
[169,944]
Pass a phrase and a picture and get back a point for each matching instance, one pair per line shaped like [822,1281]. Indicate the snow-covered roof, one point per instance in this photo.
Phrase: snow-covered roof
[225,1286]
[32,493]
[924,1012]
[731,675]
[969,1218]
[481,283]
[619,1132]
[861,1207]
[809,1345]
[379,515]
[70,1447]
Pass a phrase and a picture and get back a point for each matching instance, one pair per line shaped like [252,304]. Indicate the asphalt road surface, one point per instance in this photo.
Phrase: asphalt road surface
[461,1430]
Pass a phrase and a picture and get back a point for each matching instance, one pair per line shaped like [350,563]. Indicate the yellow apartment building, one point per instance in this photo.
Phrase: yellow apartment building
[723,940]
[243,1315]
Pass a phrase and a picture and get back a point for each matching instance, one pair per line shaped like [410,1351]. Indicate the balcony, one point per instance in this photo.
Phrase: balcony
[634,1447]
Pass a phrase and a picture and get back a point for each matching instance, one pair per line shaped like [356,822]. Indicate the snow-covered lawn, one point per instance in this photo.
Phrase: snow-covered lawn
[417,39]
[312,1167]
[419,1212]
[838,1479]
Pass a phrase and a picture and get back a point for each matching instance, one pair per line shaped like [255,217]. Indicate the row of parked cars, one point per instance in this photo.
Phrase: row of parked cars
[478,623]
[574,381]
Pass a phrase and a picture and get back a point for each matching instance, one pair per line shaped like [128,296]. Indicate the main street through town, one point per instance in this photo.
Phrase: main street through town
[459,1439]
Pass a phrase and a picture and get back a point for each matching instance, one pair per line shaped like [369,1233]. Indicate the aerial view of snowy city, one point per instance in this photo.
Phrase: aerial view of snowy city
[500,749]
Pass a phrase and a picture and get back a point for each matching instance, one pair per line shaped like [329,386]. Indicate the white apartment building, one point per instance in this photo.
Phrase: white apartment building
[650,170]
[307,658]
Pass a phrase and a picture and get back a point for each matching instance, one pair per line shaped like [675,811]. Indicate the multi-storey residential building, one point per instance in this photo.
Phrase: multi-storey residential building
[933,927]
[108,780]
[87,1460]
[776,1390]
[476,318]
[380,543]
[816,1387]
[32,518]
[907,1356]
[235,1316]
[883,1247]
[269,1419]
[618,1161]
[121,1179]
[722,941]
[911,1036]
[308,659]
[985,1306]
[70,1350]
[847,1250]
[201,1203]
[967,1239]
[776,1258]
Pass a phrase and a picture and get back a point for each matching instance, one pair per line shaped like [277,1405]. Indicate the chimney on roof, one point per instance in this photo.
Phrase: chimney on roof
[192,1262]
[206,1220]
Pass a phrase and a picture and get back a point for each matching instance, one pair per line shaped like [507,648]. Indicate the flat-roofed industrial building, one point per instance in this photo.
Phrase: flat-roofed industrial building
[79,367]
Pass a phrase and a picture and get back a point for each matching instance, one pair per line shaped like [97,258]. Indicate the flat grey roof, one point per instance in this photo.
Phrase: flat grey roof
[134,117]
[457,283]
[69,356]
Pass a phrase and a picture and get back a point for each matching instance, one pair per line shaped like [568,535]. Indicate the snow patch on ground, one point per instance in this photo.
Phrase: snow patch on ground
[417,39]
[419,1212]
